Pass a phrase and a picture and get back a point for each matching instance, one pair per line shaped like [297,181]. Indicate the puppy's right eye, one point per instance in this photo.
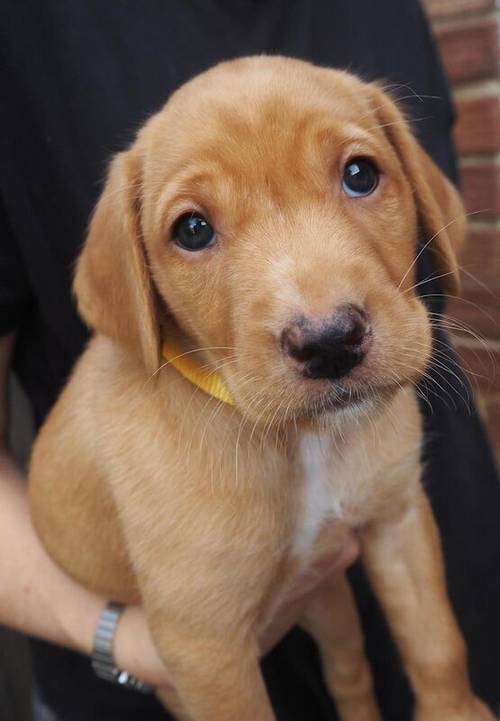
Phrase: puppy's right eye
[192,231]
[361,177]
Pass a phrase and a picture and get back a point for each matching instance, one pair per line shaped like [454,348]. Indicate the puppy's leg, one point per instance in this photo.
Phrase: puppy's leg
[332,619]
[404,562]
[214,679]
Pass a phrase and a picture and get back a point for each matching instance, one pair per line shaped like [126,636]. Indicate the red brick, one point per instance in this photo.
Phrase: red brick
[440,8]
[470,53]
[479,306]
[481,189]
[479,310]
[478,125]
[481,257]
[481,364]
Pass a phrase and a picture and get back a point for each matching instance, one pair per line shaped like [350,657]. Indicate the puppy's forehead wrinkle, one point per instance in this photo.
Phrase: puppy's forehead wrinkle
[263,136]
[268,172]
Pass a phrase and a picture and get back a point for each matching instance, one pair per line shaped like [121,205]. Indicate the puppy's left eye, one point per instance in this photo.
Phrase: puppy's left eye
[361,178]
[192,231]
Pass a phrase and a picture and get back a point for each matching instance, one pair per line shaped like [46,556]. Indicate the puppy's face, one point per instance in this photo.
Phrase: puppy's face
[278,209]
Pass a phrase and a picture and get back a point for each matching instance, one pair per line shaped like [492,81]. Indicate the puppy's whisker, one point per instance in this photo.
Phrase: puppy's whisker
[427,376]
[187,353]
[429,279]
[457,324]
[237,445]
[402,121]
[424,247]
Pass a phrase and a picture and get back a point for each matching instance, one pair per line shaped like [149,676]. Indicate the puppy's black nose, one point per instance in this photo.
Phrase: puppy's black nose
[329,349]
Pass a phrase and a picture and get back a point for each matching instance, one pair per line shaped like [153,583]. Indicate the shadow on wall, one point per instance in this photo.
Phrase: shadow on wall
[15,662]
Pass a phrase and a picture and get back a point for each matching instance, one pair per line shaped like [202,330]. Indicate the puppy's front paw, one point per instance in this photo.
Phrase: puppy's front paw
[473,710]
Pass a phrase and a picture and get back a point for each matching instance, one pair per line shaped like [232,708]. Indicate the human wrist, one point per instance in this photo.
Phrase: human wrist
[134,651]
[103,657]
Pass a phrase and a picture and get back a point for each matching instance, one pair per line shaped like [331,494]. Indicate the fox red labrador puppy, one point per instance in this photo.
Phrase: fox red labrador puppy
[249,392]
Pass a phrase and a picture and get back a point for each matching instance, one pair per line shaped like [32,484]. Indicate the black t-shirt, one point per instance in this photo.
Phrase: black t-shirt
[78,78]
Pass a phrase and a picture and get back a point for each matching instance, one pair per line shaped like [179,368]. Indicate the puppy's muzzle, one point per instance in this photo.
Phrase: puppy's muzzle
[328,348]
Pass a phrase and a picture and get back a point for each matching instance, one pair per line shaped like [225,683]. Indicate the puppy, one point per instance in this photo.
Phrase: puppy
[263,225]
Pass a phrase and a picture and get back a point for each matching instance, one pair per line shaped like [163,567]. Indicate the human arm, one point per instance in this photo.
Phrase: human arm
[36,597]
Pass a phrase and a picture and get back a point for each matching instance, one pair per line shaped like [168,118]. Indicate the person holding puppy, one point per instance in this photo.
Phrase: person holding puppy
[110,90]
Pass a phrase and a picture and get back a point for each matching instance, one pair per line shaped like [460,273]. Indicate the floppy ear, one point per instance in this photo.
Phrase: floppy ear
[439,206]
[113,284]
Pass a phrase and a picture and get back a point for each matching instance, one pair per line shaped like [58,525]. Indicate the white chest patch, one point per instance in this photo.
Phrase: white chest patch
[317,502]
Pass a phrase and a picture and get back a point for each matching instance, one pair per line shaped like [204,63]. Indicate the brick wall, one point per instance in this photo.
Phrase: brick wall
[468,34]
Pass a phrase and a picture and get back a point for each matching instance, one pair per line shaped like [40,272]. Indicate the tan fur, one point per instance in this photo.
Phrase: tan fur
[146,489]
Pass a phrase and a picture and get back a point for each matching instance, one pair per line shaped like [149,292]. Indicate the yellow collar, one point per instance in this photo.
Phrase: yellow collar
[208,381]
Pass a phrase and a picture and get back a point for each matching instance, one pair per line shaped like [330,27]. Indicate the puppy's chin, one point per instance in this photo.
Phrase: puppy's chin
[323,405]
[343,404]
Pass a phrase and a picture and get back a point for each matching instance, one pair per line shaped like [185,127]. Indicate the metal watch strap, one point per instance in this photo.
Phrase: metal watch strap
[102,651]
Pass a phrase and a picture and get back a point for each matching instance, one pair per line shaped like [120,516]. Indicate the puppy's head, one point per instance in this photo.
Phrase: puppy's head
[270,213]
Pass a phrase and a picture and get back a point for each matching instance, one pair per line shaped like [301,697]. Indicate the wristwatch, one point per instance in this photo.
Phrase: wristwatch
[102,651]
